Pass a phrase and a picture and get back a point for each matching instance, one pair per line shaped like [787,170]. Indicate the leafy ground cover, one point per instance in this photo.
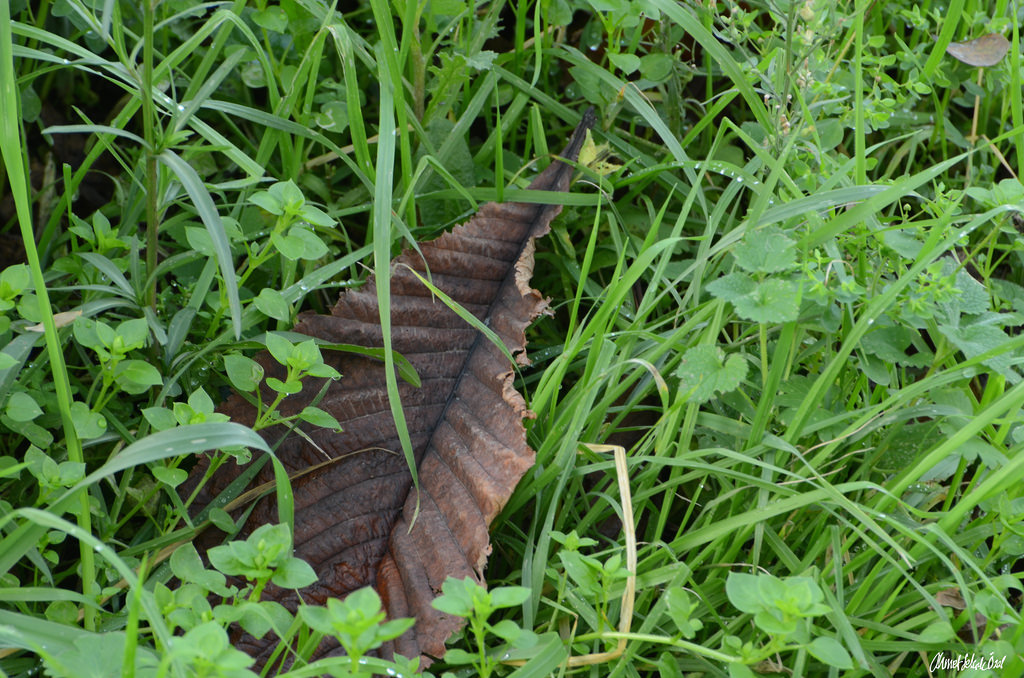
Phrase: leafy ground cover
[788,283]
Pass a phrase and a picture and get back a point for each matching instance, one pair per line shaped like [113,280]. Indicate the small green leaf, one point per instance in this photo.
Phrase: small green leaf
[267,201]
[937,632]
[299,243]
[743,592]
[509,596]
[656,66]
[134,333]
[272,18]
[22,407]
[84,330]
[317,417]
[333,117]
[272,304]
[13,280]
[738,670]
[289,195]
[304,355]
[680,609]
[186,564]
[88,424]
[290,387]
[455,598]
[200,401]
[625,62]
[507,630]
[294,573]
[317,618]
[457,656]
[63,612]
[222,520]
[771,623]
[244,373]
[831,652]
[316,216]
[70,472]
[137,376]
[279,347]
[323,370]
[172,477]
[199,239]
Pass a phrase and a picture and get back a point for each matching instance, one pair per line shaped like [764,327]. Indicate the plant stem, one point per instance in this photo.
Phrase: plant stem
[12,149]
[148,115]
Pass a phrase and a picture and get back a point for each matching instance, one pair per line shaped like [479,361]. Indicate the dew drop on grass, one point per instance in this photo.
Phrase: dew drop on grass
[198,441]
[181,107]
[66,62]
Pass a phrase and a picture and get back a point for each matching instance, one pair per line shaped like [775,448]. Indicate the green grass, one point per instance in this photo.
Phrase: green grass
[792,293]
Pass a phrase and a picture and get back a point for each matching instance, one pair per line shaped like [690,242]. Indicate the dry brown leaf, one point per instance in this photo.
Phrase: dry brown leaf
[951,598]
[353,517]
[59,320]
[988,50]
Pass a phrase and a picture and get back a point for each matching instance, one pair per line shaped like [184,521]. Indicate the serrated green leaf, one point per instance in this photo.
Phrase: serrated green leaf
[767,250]
[772,301]
[978,338]
[704,371]
[732,286]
